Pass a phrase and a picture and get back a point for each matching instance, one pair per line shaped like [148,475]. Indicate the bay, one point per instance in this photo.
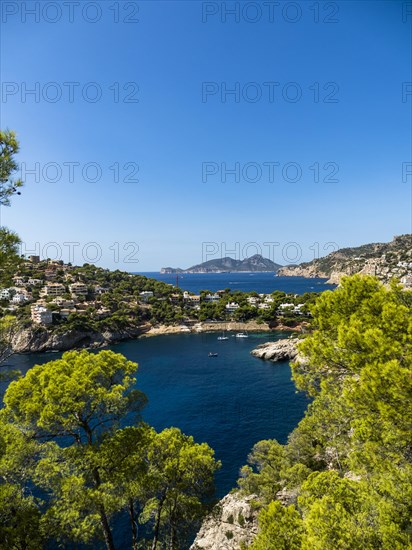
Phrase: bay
[230,401]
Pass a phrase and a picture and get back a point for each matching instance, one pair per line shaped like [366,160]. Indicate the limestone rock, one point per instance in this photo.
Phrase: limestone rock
[37,339]
[280,350]
[233,521]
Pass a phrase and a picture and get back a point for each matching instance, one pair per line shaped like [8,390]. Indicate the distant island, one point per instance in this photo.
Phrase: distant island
[256,263]
[383,260]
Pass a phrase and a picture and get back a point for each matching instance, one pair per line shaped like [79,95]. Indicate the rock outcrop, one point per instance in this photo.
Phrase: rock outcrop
[36,339]
[280,350]
[233,521]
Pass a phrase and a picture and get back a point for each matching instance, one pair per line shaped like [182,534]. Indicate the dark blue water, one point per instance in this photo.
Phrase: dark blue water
[230,401]
[246,282]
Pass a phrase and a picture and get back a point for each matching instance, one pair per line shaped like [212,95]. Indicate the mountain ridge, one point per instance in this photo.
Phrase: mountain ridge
[254,263]
[384,260]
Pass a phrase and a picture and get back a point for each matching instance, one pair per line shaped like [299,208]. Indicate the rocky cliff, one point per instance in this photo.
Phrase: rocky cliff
[232,522]
[37,339]
[385,260]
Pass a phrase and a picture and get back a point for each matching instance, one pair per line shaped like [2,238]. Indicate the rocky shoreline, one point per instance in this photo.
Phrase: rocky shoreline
[35,339]
[250,326]
[282,350]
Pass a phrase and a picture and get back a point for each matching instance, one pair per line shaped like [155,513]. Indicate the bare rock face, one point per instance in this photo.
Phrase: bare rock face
[277,351]
[232,522]
[33,340]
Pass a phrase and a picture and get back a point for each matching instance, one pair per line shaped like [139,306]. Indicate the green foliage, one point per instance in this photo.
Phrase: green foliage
[263,475]
[60,432]
[9,254]
[9,147]
[19,520]
[348,464]
[280,528]
[361,322]
[180,473]
[8,326]
[76,396]
[241,519]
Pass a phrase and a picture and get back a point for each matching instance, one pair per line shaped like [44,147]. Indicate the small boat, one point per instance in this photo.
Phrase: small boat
[223,338]
[212,354]
[241,335]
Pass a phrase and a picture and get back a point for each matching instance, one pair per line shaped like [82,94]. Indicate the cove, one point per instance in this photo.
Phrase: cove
[230,401]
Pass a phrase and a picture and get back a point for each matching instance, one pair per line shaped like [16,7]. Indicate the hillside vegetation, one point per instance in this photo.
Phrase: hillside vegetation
[385,260]
[344,478]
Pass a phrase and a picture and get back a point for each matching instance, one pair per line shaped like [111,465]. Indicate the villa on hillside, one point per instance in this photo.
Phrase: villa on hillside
[191,300]
[213,298]
[53,289]
[41,315]
[78,289]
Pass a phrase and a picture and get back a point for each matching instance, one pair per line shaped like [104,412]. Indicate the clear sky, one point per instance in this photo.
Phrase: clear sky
[308,148]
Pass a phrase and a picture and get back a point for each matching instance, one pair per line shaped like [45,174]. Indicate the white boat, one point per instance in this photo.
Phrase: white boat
[241,335]
[223,338]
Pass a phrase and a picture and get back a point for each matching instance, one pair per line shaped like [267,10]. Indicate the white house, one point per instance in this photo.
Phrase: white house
[286,306]
[41,315]
[34,282]
[231,307]
[20,298]
[5,294]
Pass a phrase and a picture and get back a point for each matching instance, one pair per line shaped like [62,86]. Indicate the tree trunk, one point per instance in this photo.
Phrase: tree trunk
[133,524]
[108,538]
[104,522]
[157,526]
[172,531]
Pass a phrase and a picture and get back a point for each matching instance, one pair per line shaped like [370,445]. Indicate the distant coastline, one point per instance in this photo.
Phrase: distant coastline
[254,264]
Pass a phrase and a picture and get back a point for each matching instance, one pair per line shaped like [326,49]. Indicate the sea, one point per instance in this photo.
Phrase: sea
[231,401]
[261,282]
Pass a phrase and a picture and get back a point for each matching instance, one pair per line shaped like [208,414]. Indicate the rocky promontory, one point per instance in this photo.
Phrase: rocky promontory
[383,260]
[232,522]
[281,350]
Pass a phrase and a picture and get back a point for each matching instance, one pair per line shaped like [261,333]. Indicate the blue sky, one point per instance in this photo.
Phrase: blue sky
[336,107]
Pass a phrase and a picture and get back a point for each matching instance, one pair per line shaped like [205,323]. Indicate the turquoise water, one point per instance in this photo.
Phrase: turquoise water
[230,401]
[246,282]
